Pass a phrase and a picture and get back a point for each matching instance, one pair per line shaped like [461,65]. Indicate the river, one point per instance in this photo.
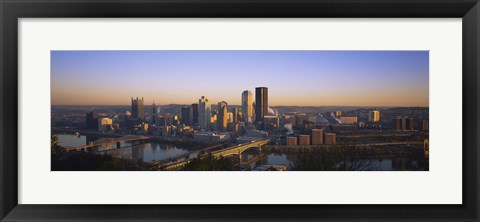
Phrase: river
[150,152]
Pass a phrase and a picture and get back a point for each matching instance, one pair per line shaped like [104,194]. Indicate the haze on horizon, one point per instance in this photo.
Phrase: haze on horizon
[293,78]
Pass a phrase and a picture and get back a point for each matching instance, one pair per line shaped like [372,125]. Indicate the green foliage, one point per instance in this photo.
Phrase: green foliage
[210,163]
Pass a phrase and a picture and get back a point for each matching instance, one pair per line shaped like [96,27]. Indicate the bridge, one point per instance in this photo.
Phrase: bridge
[107,141]
[238,149]
[233,150]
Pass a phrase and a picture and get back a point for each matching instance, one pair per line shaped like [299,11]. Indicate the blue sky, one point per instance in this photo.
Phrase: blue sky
[305,78]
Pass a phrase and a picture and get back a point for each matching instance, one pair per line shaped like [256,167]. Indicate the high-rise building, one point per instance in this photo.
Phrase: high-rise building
[292,140]
[186,115]
[410,123]
[374,116]
[317,136]
[235,115]
[304,140]
[247,106]
[330,138]
[204,112]
[397,122]
[137,108]
[91,120]
[261,103]
[194,114]
[154,109]
[222,116]
[213,121]
[230,117]
[153,116]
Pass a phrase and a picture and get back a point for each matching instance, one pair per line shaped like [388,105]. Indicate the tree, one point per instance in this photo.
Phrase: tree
[210,163]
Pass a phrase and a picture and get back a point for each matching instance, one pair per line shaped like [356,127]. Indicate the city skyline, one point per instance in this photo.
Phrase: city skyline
[293,78]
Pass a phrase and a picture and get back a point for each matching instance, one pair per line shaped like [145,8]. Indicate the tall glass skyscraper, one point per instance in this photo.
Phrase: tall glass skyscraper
[204,112]
[194,119]
[261,103]
[247,106]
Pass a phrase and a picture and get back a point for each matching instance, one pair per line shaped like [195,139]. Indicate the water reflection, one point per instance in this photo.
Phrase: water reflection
[148,152]
[71,140]
[288,160]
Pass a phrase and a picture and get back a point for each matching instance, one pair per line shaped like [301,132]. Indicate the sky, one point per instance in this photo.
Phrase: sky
[302,78]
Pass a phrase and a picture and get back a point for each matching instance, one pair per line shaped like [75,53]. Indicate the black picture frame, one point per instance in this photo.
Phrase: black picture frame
[11,11]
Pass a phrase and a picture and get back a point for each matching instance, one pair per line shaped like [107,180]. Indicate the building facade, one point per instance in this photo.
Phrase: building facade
[317,136]
[292,141]
[222,116]
[137,108]
[247,106]
[91,119]
[186,115]
[374,116]
[194,119]
[261,103]
[204,112]
[330,138]
[303,140]
[348,119]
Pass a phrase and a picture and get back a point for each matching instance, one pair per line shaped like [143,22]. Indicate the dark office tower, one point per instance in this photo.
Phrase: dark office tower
[186,115]
[154,109]
[235,114]
[222,117]
[194,114]
[137,108]
[261,103]
[92,120]
[410,123]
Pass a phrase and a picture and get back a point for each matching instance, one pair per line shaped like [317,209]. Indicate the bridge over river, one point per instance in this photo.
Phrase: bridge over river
[232,150]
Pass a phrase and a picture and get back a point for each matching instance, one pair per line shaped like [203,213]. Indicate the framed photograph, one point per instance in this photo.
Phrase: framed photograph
[224,110]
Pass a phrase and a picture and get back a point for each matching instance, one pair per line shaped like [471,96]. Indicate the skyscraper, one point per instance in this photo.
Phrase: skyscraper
[374,116]
[92,120]
[194,112]
[153,118]
[204,112]
[186,115]
[261,103]
[137,108]
[222,117]
[235,114]
[154,109]
[247,106]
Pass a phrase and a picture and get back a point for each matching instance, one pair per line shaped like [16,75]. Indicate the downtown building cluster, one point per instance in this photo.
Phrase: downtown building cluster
[253,119]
